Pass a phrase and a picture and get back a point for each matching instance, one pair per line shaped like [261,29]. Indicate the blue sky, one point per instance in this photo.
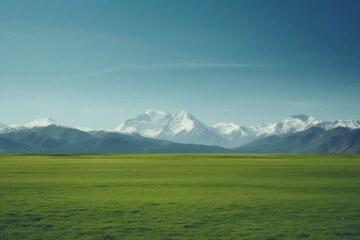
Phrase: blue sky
[97,63]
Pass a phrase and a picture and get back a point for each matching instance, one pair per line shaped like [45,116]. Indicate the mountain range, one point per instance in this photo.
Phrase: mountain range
[157,131]
[60,139]
[183,127]
[312,140]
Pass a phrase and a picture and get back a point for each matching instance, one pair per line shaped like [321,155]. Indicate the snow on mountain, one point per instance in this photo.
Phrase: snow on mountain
[158,124]
[44,122]
[183,122]
[291,124]
[301,122]
[12,128]
[185,128]
[85,129]
[352,124]
[149,124]
[234,133]
[264,129]
[239,135]
[226,128]
[181,127]
[295,123]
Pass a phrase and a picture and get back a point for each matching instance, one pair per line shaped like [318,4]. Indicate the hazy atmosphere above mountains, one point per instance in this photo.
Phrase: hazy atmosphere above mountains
[102,63]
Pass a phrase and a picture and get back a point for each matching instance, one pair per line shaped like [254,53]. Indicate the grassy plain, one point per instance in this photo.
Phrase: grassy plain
[180,196]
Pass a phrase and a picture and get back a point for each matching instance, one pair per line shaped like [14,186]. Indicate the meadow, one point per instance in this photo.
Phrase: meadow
[180,196]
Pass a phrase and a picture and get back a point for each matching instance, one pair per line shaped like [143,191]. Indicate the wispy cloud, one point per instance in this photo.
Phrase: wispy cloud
[171,66]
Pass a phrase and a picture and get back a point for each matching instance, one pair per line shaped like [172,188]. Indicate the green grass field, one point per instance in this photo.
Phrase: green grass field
[180,197]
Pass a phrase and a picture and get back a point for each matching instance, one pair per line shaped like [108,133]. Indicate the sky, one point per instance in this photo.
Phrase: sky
[97,63]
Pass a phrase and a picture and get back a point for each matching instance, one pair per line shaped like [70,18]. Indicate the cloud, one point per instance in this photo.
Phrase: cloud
[172,66]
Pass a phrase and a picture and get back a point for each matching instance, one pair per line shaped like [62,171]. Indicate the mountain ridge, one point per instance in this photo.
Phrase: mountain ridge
[227,134]
[157,131]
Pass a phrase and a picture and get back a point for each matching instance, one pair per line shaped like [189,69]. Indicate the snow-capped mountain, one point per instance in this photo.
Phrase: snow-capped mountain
[185,128]
[352,124]
[236,134]
[239,135]
[13,129]
[181,127]
[295,123]
[151,123]
[44,122]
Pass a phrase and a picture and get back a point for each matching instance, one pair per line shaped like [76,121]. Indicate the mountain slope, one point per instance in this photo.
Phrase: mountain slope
[65,135]
[58,139]
[312,140]
[29,137]
[122,143]
[8,146]
[350,143]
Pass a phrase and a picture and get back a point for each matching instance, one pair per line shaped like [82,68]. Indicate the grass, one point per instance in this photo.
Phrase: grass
[180,196]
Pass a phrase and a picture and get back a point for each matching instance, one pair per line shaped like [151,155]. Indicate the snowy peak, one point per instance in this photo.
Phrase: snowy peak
[153,123]
[295,123]
[44,122]
[347,123]
[182,121]
[306,120]
[291,124]
[236,134]
[226,128]
[149,124]
[13,128]
[352,124]
[181,127]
